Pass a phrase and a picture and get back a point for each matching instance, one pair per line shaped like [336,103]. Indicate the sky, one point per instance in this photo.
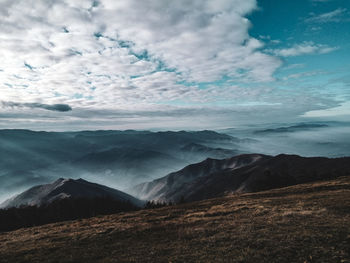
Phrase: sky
[163,64]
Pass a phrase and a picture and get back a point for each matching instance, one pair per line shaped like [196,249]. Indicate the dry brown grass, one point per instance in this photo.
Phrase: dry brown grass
[304,223]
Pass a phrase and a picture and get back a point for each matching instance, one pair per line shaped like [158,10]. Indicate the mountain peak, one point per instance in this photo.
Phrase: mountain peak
[62,180]
[66,188]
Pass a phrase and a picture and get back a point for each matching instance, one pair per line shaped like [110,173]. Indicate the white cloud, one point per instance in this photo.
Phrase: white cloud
[333,16]
[115,54]
[340,110]
[304,48]
[139,64]
[302,75]
[321,1]
[162,117]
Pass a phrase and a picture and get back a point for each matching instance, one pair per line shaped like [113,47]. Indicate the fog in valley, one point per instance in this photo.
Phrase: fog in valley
[327,139]
[118,159]
[122,159]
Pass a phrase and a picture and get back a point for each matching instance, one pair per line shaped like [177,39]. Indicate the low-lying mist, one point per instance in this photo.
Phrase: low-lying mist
[328,139]
[122,159]
[119,159]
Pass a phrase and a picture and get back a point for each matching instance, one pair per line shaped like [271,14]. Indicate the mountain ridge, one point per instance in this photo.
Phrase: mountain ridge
[64,188]
[206,180]
[157,188]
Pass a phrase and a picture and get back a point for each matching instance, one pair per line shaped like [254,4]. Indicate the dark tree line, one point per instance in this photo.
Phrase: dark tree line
[157,204]
[60,210]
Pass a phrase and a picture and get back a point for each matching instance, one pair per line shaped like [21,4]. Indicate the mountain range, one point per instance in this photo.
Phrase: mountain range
[207,179]
[118,158]
[124,159]
[293,128]
[69,199]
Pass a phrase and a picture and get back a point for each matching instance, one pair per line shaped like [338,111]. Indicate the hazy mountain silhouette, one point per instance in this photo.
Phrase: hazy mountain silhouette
[207,152]
[293,128]
[117,158]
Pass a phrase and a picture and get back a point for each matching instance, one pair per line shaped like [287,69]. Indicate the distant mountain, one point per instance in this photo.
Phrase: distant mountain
[66,189]
[294,128]
[243,173]
[129,165]
[195,149]
[119,158]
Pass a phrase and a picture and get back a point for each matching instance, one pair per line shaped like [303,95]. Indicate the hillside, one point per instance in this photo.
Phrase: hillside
[302,223]
[66,189]
[170,187]
[242,173]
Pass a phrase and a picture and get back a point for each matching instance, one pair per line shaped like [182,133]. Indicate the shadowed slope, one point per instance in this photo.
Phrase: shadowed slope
[162,189]
[242,173]
[66,188]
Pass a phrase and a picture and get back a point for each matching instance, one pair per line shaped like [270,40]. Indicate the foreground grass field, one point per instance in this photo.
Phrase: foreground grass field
[303,223]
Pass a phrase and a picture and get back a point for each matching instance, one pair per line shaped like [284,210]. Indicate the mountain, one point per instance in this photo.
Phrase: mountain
[243,173]
[119,158]
[166,188]
[293,128]
[66,189]
[129,165]
[206,151]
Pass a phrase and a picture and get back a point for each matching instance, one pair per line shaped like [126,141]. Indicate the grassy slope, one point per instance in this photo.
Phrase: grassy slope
[304,223]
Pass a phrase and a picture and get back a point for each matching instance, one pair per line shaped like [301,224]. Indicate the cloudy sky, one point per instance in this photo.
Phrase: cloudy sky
[140,64]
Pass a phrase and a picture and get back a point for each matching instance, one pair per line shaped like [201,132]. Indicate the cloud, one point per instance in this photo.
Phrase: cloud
[334,16]
[340,110]
[305,48]
[112,54]
[54,107]
[321,1]
[302,75]
[239,106]
[132,63]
